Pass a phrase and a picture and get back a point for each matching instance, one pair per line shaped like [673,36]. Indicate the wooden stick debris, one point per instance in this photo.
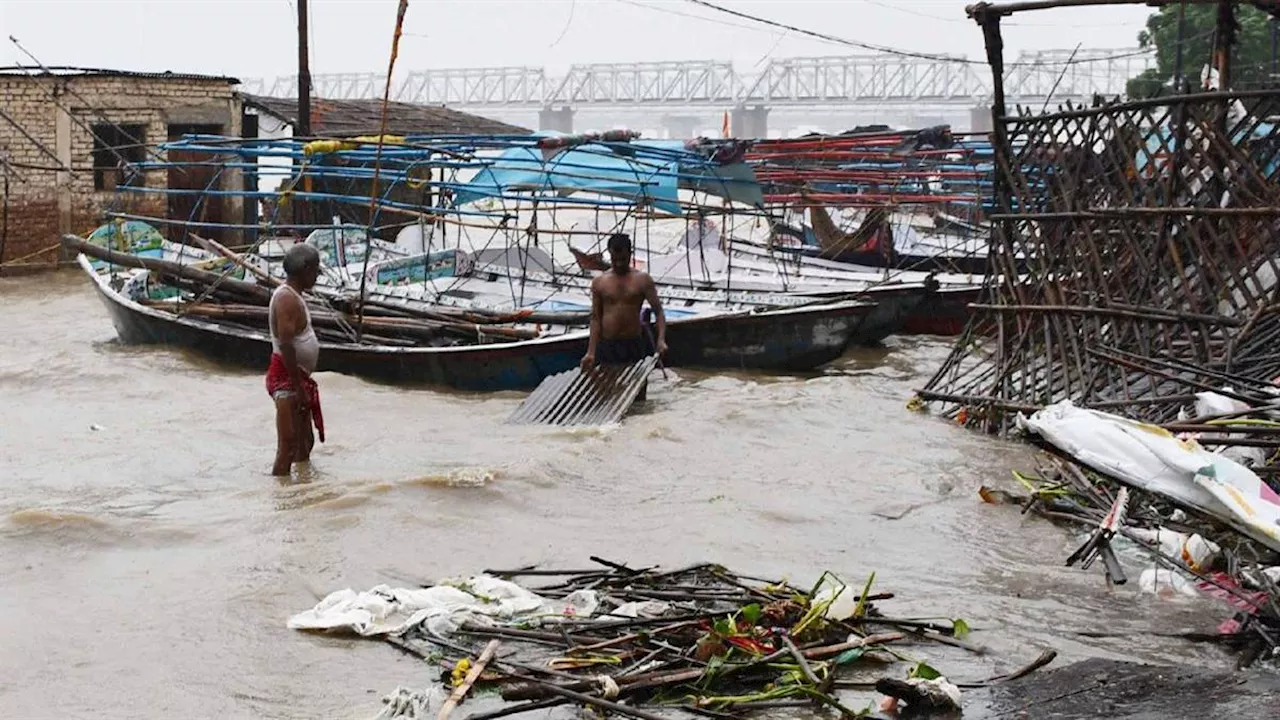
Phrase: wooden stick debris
[461,691]
[518,709]
[597,702]
[732,646]
[216,247]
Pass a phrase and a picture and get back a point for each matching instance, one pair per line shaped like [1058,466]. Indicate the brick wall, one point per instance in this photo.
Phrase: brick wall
[58,113]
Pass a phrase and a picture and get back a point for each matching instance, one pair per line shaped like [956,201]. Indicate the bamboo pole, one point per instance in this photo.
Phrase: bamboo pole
[214,246]
[460,692]
[249,290]
[423,329]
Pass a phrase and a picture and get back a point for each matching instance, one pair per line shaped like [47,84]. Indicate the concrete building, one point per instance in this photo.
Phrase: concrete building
[69,137]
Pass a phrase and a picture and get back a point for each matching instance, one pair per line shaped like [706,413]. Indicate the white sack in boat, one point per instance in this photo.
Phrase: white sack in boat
[1150,458]
[384,610]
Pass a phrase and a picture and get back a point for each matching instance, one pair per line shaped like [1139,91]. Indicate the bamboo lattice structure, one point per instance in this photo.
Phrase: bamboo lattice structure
[1149,233]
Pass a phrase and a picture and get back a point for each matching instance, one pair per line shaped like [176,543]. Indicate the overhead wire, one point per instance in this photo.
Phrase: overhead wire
[940,18]
[573,5]
[905,53]
[692,16]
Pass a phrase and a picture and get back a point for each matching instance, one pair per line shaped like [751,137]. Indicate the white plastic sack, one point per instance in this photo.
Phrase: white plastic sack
[636,610]
[1212,403]
[1196,552]
[407,704]
[1150,458]
[385,610]
[1166,584]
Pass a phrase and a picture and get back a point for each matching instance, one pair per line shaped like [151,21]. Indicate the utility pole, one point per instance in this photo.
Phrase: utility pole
[1224,39]
[303,128]
[1182,31]
[1275,45]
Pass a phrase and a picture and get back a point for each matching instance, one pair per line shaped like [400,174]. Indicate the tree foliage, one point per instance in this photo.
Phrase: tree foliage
[1250,57]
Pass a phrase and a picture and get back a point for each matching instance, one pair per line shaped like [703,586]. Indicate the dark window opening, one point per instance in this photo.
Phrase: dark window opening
[115,149]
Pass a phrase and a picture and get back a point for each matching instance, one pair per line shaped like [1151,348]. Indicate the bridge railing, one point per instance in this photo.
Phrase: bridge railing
[802,81]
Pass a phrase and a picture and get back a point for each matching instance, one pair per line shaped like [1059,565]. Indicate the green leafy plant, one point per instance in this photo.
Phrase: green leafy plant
[861,608]
[924,671]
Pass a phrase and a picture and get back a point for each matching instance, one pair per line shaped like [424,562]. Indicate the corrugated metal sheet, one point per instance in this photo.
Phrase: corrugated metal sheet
[598,397]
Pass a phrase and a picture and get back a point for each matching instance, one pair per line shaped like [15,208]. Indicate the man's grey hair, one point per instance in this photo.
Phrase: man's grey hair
[300,258]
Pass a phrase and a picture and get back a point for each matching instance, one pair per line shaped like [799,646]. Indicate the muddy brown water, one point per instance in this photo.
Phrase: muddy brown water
[148,562]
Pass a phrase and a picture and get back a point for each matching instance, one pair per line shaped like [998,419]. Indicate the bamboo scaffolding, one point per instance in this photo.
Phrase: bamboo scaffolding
[1146,269]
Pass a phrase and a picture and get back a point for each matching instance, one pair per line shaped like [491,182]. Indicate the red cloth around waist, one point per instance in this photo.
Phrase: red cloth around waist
[278,379]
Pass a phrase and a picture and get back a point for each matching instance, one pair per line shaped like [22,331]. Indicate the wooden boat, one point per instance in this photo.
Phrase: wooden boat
[943,311]
[895,303]
[793,339]
[962,263]
[893,306]
[487,286]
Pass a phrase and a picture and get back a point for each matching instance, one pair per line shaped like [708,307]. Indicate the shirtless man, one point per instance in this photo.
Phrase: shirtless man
[295,352]
[617,336]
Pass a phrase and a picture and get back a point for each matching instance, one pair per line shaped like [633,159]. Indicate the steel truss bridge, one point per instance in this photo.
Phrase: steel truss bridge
[884,81]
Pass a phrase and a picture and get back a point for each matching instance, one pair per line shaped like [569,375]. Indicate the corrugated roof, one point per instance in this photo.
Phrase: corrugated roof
[65,71]
[348,118]
[600,396]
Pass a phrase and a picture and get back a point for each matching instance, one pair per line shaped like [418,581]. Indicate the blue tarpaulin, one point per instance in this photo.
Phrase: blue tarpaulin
[643,171]
[592,167]
[1159,144]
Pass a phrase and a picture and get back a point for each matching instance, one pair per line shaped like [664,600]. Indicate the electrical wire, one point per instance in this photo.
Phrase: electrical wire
[898,51]
[573,5]
[693,16]
[939,18]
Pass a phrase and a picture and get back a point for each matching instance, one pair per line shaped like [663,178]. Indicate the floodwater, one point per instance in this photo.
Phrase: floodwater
[148,561]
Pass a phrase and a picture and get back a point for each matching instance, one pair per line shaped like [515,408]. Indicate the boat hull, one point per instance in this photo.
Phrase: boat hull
[797,339]
[943,312]
[506,366]
[962,264]
[894,308]
[790,340]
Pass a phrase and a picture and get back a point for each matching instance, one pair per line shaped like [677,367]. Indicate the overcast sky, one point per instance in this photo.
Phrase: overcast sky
[255,38]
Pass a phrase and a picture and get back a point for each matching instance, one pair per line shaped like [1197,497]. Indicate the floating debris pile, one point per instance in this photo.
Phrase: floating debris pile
[700,639]
[1180,553]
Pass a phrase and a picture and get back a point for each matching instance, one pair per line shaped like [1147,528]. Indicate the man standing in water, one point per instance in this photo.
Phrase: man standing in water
[617,335]
[295,352]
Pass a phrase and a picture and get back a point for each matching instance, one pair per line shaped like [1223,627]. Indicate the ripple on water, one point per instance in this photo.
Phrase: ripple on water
[60,527]
[467,477]
[308,488]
